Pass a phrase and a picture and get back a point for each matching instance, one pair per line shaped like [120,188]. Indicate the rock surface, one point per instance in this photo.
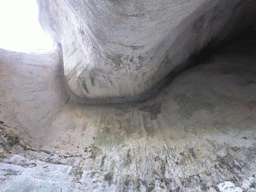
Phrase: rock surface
[197,133]
[194,135]
[116,51]
[21,174]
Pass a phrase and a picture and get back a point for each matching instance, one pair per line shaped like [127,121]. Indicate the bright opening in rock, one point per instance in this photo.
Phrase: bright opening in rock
[20,28]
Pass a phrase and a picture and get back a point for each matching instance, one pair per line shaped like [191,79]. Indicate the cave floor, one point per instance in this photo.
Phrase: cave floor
[197,134]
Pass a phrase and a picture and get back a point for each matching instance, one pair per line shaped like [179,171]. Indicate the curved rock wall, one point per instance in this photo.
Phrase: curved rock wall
[116,51]
[195,134]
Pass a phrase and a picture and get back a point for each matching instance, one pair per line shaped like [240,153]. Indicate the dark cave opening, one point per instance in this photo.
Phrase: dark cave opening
[239,43]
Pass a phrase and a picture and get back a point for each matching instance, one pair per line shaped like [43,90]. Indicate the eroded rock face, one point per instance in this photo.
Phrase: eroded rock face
[196,135]
[116,51]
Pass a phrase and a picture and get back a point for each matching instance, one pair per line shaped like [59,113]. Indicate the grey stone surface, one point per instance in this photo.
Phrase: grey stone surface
[21,174]
[194,135]
[116,51]
[197,133]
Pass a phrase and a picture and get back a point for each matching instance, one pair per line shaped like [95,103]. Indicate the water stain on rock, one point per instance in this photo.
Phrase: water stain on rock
[128,158]
[106,130]
[76,172]
[188,105]
[251,105]
[84,86]
[109,178]
[10,172]
[192,152]
[110,119]
[153,110]
[147,126]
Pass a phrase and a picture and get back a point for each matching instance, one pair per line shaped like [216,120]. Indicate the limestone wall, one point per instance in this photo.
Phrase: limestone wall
[116,51]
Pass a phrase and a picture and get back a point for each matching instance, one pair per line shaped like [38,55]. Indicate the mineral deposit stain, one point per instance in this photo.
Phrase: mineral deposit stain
[109,178]
[189,105]
[128,158]
[110,119]
[251,105]
[153,110]
[147,126]
[83,84]
[92,78]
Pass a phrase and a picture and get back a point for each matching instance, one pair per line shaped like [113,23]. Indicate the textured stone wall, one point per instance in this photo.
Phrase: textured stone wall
[115,51]
[198,133]
[195,135]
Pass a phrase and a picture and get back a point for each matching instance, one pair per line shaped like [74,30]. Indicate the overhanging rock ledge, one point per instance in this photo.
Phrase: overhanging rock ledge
[118,51]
